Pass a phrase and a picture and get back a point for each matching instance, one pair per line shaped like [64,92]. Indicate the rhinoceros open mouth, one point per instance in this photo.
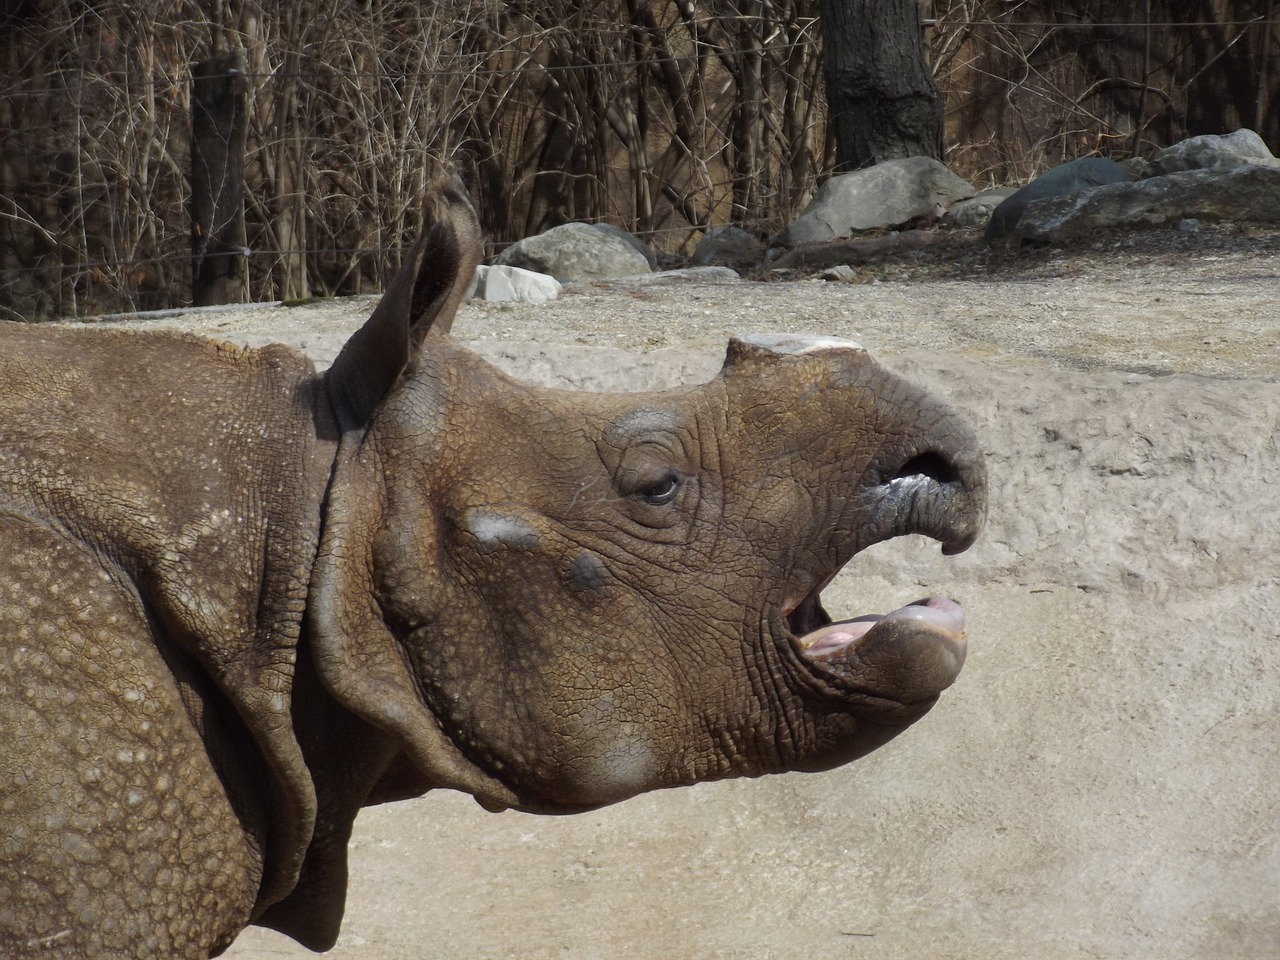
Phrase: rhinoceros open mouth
[906,657]
[897,663]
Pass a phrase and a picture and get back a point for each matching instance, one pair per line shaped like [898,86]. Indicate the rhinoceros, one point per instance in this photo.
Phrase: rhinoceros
[241,600]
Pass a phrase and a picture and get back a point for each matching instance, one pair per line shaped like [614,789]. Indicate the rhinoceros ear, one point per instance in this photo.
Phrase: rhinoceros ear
[421,299]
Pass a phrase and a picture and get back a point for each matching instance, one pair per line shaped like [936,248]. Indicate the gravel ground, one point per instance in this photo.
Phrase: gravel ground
[1156,302]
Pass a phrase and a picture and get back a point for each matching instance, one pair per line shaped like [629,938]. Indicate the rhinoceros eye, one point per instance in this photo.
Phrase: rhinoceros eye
[661,491]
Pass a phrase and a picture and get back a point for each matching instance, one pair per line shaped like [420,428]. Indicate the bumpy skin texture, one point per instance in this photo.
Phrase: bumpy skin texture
[240,601]
[158,507]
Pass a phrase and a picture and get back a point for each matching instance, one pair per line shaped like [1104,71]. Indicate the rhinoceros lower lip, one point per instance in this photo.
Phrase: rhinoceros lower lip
[911,654]
[934,613]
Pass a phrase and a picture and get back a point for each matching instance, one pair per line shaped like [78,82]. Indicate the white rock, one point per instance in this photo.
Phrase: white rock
[503,283]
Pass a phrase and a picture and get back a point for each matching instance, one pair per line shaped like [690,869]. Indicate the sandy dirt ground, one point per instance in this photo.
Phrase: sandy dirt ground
[1104,778]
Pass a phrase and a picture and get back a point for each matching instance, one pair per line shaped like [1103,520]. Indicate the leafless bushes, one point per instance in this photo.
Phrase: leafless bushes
[661,116]
[1033,83]
[352,109]
[91,185]
[657,116]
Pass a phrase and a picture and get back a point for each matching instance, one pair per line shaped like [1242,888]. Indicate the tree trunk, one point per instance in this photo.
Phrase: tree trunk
[291,221]
[746,133]
[881,96]
[217,181]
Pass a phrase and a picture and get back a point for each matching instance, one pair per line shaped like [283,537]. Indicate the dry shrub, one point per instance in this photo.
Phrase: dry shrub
[660,116]
[1034,83]
[93,175]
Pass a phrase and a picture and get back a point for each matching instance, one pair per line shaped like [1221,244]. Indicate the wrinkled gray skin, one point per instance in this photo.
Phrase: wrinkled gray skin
[240,601]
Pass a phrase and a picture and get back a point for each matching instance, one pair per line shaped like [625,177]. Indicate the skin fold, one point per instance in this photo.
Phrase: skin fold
[242,600]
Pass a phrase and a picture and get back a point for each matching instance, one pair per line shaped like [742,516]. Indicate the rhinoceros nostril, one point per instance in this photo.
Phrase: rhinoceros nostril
[932,465]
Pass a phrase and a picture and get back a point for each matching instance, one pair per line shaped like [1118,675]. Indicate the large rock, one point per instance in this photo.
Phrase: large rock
[636,244]
[727,246]
[1244,193]
[886,195]
[976,212]
[1197,153]
[576,251]
[1065,179]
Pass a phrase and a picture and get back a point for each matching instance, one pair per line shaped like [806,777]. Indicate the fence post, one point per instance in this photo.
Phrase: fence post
[218,103]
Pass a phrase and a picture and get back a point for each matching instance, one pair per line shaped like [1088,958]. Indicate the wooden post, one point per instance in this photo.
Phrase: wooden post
[218,103]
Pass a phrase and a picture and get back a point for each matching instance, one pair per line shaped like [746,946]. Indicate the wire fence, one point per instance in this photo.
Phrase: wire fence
[661,118]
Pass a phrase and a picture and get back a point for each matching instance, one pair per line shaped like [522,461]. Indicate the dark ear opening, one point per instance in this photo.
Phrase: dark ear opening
[423,298]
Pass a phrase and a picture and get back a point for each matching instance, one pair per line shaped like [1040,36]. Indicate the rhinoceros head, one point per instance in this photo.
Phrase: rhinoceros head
[556,600]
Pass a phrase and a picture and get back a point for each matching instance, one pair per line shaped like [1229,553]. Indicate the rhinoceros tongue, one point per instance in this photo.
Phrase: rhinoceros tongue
[932,613]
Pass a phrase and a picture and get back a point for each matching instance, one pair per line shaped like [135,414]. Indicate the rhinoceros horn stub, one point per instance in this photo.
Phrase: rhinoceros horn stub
[765,348]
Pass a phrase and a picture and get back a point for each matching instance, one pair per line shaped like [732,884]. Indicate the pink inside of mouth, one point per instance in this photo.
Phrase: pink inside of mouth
[935,613]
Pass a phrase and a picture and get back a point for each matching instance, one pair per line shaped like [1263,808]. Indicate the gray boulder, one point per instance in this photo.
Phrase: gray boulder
[1208,151]
[1249,192]
[838,273]
[976,211]
[727,245]
[576,251]
[501,283]
[642,248]
[886,195]
[1065,179]
[1133,167]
